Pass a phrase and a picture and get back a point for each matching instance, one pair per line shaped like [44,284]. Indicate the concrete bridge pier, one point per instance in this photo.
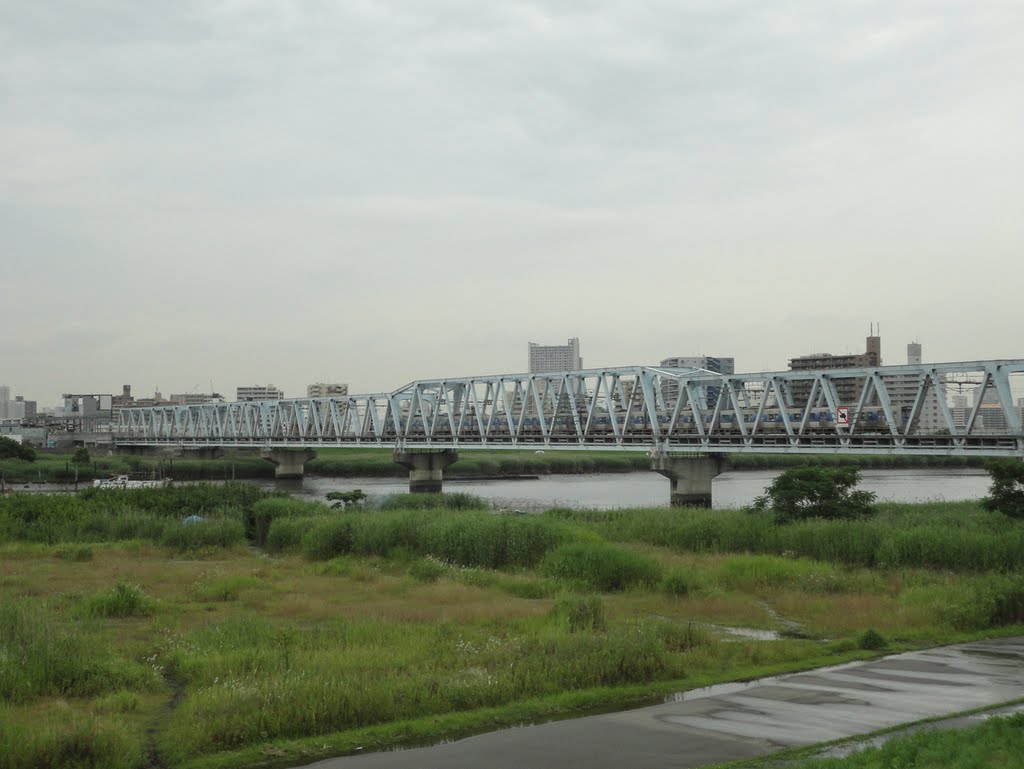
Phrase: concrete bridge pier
[289,463]
[691,477]
[426,468]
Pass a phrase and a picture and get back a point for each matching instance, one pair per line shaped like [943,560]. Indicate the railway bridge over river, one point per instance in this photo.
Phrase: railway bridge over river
[688,420]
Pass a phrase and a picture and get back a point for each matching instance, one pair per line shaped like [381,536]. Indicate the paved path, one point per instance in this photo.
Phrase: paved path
[736,721]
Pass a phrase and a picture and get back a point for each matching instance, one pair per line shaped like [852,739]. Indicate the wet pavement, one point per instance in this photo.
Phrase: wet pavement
[739,721]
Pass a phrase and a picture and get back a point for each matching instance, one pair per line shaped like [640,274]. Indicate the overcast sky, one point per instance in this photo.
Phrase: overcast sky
[371,192]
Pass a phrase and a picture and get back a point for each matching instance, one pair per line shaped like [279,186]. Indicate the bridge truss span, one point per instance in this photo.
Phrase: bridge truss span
[890,409]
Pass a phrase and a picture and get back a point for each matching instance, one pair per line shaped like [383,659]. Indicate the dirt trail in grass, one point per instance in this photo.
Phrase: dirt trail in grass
[153,758]
[792,627]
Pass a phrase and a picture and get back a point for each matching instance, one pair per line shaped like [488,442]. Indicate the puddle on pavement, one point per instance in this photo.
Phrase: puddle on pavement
[749,633]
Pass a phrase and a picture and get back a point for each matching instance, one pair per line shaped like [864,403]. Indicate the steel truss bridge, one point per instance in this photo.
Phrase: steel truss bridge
[881,410]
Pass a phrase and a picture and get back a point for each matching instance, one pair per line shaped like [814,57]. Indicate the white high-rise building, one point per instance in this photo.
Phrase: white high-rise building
[326,390]
[5,396]
[545,358]
[258,393]
[706,362]
[670,389]
[903,391]
[914,354]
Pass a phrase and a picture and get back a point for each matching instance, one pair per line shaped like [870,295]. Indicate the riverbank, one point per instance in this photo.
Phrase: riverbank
[379,463]
[277,631]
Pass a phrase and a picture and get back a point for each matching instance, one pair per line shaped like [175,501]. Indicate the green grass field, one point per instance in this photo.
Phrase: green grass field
[277,631]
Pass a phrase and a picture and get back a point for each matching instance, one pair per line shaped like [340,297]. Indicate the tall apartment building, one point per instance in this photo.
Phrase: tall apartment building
[670,389]
[326,390]
[849,389]
[990,416]
[706,362]
[258,393]
[5,397]
[903,390]
[27,408]
[545,358]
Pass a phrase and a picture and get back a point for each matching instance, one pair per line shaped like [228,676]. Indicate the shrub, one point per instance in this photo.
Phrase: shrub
[1006,495]
[580,613]
[816,492]
[210,532]
[344,499]
[987,601]
[11,449]
[871,640]
[287,533]
[427,570]
[259,518]
[601,566]
[122,600]
[221,589]
[326,540]
[680,581]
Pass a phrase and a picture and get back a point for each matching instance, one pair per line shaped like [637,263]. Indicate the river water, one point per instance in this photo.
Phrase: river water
[607,491]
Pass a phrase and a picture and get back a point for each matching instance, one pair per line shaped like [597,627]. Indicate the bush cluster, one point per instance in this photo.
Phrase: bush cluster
[801,493]
[601,566]
[462,538]
[1006,495]
[11,449]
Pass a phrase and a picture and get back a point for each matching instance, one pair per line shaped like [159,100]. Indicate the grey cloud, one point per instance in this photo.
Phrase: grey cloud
[654,177]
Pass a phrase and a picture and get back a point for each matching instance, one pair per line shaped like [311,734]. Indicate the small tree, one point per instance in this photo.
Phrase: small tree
[1006,494]
[11,449]
[345,499]
[81,456]
[816,492]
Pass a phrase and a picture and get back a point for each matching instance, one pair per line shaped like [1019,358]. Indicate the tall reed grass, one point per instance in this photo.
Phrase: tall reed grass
[463,538]
[247,684]
[601,566]
[43,655]
[111,515]
[75,740]
[959,537]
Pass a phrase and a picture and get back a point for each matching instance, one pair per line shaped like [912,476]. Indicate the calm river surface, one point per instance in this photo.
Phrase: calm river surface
[607,491]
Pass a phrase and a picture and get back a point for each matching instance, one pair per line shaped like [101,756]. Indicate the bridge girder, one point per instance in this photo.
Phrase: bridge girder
[887,409]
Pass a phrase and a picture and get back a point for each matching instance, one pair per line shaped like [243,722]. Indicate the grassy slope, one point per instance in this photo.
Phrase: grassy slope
[247,648]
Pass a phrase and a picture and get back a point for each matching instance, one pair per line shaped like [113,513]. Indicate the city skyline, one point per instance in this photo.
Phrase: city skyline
[899,356]
[375,193]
